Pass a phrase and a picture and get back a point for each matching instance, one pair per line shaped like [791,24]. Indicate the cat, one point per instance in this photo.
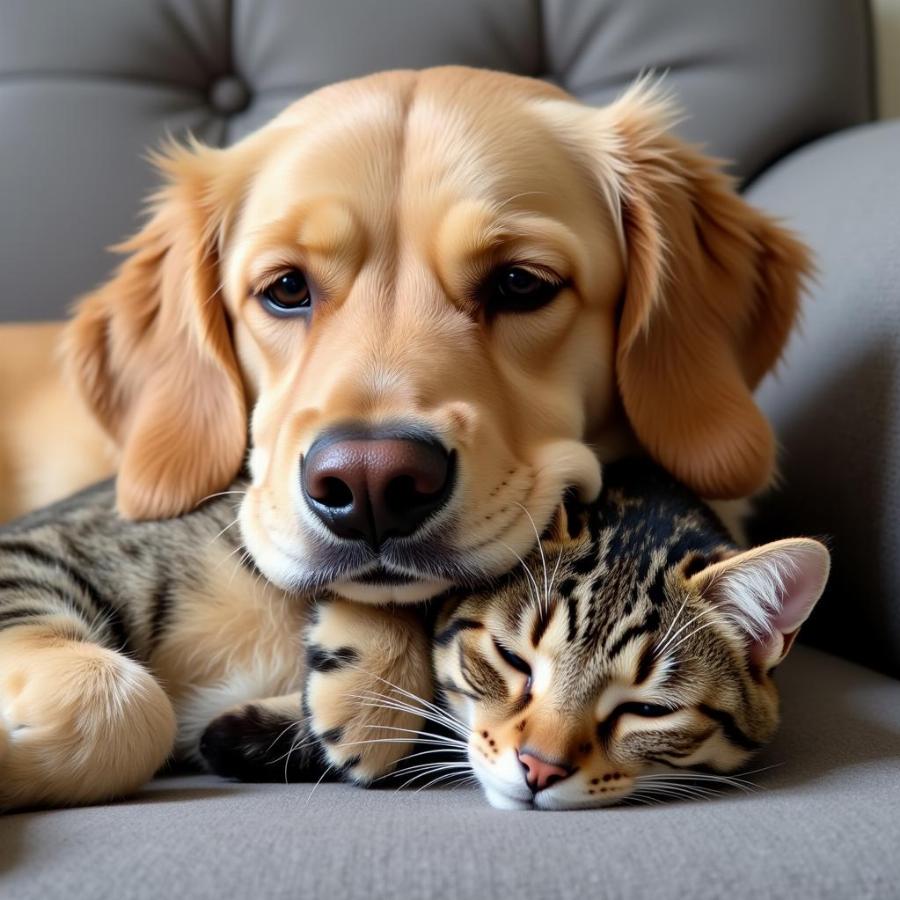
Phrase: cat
[637,635]
[636,646]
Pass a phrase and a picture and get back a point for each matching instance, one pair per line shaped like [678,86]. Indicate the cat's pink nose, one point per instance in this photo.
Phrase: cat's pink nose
[539,773]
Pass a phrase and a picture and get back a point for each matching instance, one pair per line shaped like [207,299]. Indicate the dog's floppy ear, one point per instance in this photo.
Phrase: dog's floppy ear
[151,349]
[711,295]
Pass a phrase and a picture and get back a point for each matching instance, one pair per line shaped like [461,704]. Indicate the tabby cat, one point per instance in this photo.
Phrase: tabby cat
[121,641]
[638,640]
[648,639]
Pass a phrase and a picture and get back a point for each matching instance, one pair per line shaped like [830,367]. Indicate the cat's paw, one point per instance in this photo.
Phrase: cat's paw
[368,674]
[78,723]
[262,741]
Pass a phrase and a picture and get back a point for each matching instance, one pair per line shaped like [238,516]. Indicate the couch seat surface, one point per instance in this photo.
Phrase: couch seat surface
[824,822]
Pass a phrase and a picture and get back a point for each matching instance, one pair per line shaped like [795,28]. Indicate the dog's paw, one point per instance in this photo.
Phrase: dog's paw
[78,723]
[264,741]
[368,674]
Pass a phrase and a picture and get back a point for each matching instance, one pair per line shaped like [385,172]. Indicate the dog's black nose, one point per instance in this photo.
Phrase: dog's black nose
[373,487]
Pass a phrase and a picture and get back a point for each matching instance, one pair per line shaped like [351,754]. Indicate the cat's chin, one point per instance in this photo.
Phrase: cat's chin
[546,802]
[499,800]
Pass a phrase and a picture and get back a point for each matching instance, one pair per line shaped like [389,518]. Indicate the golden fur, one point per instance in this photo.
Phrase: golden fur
[396,192]
[50,445]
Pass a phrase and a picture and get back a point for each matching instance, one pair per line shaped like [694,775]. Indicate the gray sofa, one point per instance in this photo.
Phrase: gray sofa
[784,89]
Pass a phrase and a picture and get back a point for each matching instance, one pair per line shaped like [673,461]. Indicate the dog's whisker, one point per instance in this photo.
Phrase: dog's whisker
[218,494]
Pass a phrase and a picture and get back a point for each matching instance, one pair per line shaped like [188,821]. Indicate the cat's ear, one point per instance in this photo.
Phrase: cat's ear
[768,592]
[568,521]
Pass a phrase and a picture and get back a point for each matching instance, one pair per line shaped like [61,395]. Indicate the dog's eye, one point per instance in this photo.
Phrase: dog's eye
[517,289]
[288,295]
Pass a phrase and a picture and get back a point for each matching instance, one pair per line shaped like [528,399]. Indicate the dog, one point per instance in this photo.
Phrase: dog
[418,308]
[424,304]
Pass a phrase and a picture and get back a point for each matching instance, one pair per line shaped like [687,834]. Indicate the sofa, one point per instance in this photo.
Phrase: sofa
[784,90]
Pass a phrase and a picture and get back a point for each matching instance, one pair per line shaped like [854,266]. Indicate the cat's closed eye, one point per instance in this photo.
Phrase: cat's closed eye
[513,659]
[646,710]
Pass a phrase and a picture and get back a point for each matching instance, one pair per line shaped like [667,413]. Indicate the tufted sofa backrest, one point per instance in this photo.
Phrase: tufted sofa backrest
[86,86]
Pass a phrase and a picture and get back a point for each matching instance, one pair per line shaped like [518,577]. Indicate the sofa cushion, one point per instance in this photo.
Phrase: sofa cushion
[86,88]
[835,399]
[823,823]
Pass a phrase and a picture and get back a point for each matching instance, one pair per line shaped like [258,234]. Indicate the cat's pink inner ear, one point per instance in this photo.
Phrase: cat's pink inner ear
[803,565]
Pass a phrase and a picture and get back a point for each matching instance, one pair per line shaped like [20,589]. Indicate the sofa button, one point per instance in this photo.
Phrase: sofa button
[229,95]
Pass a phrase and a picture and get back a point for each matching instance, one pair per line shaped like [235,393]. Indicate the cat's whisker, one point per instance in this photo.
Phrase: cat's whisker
[642,800]
[720,618]
[394,772]
[681,791]
[451,778]
[427,707]
[704,612]
[457,768]
[321,779]
[284,731]
[376,702]
[540,546]
[298,744]
[432,766]
[371,703]
[458,736]
[428,711]
[382,706]
[654,797]
[661,643]
[688,777]
[443,714]
[426,738]
[533,588]
[441,748]
[553,578]
[675,641]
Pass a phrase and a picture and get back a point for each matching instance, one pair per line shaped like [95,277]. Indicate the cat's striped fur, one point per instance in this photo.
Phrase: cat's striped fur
[644,642]
[123,641]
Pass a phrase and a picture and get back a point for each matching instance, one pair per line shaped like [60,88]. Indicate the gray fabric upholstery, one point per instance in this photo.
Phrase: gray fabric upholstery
[834,401]
[823,824]
[86,87]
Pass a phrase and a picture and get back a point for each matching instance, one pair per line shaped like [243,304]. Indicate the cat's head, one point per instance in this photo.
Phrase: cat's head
[580,683]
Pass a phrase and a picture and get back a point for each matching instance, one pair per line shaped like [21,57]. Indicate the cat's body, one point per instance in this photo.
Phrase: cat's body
[162,636]
[135,606]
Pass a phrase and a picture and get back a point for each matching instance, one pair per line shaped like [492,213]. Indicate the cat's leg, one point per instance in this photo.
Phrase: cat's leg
[265,740]
[79,723]
[368,672]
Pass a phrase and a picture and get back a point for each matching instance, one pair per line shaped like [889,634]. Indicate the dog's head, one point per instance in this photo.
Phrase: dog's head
[431,301]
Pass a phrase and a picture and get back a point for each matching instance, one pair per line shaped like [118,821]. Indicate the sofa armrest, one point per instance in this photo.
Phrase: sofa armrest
[835,401]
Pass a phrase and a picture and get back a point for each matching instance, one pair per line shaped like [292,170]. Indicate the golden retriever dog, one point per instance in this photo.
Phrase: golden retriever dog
[420,306]
[427,303]
[50,445]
